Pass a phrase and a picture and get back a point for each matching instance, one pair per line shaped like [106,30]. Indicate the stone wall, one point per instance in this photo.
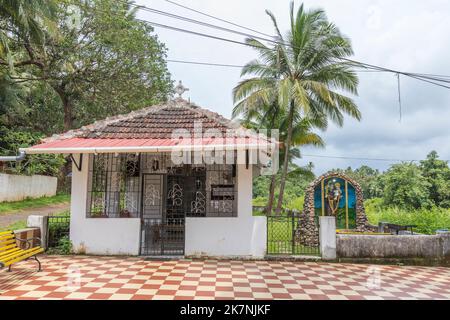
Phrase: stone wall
[393,246]
[308,231]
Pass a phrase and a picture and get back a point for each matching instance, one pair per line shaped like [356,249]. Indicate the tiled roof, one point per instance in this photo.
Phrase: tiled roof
[158,125]
[155,122]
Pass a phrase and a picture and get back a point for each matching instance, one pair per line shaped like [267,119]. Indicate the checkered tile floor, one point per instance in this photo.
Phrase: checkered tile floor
[88,277]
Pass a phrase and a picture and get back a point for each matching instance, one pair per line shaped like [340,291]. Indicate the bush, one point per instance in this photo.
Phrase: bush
[296,204]
[426,220]
[64,247]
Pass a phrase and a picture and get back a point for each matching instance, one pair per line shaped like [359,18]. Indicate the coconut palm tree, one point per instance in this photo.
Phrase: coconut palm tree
[271,116]
[306,70]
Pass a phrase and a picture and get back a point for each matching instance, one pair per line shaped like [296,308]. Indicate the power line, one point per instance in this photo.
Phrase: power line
[355,63]
[218,19]
[206,63]
[429,78]
[202,23]
[215,64]
[360,158]
[432,79]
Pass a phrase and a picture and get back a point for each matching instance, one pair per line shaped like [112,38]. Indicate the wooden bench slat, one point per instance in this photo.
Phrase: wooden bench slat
[19,254]
[11,253]
[24,256]
[6,254]
[8,237]
[6,248]
[6,243]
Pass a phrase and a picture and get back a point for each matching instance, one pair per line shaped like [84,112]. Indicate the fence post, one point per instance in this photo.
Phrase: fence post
[40,222]
[327,237]
[293,232]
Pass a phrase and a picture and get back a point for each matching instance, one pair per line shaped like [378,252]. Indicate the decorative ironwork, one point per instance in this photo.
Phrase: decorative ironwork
[176,195]
[116,187]
[198,206]
[151,195]
[114,190]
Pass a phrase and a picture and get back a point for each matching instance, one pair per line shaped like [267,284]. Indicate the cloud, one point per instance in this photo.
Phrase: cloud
[405,35]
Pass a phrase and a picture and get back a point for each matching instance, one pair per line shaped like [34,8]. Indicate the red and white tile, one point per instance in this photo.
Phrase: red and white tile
[90,277]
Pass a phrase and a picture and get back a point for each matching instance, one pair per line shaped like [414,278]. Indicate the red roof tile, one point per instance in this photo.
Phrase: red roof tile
[152,127]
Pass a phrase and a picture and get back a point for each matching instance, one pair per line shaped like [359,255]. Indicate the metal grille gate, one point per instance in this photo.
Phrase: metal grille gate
[283,236]
[162,232]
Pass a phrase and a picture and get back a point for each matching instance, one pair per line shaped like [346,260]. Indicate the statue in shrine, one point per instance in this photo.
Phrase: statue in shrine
[333,195]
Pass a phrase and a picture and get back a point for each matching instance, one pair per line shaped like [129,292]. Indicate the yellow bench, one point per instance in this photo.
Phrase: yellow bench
[11,253]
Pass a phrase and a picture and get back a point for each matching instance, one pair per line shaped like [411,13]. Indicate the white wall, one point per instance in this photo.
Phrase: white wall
[243,235]
[99,235]
[16,187]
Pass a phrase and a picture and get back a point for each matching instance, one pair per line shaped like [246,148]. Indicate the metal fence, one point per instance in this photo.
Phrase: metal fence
[283,236]
[58,227]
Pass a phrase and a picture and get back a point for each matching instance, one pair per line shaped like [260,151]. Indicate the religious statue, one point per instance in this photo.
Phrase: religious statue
[333,195]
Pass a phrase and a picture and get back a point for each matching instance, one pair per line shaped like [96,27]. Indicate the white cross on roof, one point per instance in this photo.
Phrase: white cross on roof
[180,89]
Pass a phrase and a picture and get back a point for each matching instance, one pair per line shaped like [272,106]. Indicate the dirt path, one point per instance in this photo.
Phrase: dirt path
[7,219]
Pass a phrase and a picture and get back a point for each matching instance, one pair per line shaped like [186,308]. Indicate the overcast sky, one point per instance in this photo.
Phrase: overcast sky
[405,35]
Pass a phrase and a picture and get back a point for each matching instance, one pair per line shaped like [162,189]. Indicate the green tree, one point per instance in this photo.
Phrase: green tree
[259,115]
[437,174]
[24,23]
[304,70]
[104,62]
[406,187]
[45,164]
[368,178]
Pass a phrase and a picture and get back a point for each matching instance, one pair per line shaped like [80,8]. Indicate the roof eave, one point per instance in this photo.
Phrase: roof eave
[138,149]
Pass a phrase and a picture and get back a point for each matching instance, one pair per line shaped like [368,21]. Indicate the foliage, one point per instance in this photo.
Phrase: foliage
[296,184]
[103,62]
[368,178]
[437,174]
[66,63]
[64,247]
[406,187]
[427,220]
[10,207]
[296,203]
[30,20]
[44,164]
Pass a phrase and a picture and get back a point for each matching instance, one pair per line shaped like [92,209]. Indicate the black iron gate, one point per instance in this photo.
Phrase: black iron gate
[284,236]
[162,226]
[162,237]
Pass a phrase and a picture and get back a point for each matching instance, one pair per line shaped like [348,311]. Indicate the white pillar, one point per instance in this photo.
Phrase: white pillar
[327,237]
[40,222]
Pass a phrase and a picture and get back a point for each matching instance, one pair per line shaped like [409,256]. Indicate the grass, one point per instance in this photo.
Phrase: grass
[426,220]
[11,207]
[15,226]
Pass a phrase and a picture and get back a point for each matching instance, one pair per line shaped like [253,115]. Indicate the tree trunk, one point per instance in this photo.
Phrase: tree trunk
[271,194]
[286,160]
[67,107]
[273,180]
[68,115]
